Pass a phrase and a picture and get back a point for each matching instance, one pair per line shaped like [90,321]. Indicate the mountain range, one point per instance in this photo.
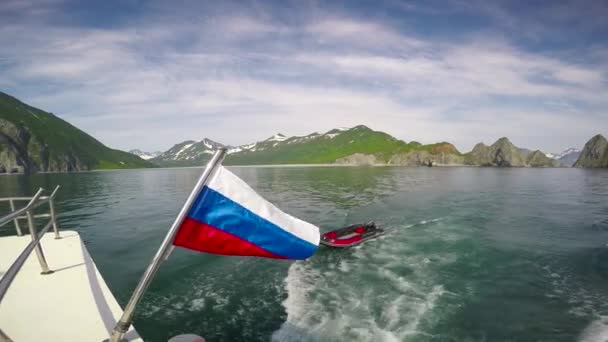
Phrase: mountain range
[32,140]
[567,157]
[358,145]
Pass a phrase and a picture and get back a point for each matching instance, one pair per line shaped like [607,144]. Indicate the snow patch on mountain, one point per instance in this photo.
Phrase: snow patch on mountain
[563,153]
[198,151]
[277,137]
[210,144]
[187,146]
[145,155]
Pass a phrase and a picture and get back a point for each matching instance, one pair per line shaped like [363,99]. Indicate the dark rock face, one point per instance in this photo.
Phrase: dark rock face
[594,154]
[506,154]
[14,143]
[425,158]
[32,140]
[357,159]
[539,159]
[502,153]
[480,155]
[438,154]
[20,151]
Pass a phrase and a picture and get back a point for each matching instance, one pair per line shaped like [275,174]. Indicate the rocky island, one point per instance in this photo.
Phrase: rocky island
[594,154]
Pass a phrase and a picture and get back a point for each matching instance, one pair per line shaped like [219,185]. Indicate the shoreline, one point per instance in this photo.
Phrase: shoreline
[298,166]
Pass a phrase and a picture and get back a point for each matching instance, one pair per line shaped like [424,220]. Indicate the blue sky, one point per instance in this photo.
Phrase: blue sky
[149,74]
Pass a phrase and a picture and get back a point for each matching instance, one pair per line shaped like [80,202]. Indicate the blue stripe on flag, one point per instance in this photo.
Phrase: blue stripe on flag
[219,211]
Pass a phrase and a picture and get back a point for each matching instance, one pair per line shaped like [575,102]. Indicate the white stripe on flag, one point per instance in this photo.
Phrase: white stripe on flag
[231,186]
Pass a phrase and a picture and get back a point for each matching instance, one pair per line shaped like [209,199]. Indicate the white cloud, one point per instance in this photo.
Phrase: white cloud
[359,33]
[240,78]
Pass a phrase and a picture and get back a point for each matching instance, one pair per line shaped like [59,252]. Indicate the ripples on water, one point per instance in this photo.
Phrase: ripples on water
[471,254]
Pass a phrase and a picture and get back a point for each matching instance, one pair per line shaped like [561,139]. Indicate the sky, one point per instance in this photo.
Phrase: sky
[150,74]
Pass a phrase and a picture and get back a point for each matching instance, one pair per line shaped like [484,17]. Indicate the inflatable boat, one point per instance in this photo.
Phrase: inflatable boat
[351,235]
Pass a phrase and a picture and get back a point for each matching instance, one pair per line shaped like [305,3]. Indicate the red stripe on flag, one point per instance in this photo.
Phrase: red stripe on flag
[202,237]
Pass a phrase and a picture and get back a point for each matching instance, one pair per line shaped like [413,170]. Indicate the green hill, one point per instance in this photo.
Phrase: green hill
[33,140]
[322,148]
[358,145]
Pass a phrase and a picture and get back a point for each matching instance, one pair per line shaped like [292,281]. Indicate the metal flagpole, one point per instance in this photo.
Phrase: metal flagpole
[122,326]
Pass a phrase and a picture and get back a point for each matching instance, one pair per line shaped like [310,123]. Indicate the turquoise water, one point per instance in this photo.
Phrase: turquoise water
[472,254]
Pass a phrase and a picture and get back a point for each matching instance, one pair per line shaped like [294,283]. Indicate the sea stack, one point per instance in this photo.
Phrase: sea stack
[594,154]
[502,153]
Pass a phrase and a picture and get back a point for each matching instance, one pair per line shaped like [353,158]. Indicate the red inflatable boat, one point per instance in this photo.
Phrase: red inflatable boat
[351,235]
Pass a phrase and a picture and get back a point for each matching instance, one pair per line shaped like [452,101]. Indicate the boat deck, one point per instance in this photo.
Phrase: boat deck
[72,304]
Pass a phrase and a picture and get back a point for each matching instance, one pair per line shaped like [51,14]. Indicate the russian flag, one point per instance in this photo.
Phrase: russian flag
[230,218]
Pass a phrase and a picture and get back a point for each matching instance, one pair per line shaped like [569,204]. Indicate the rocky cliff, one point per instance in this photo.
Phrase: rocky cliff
[32,140]
[539,159]
[357,159]
[436,154]
[502,153]
[594,154]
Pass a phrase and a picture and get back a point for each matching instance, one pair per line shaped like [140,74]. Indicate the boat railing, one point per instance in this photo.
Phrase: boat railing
[34,202]
[27,213]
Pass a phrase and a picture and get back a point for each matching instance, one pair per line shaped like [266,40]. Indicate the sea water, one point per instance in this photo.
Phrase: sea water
[470,254]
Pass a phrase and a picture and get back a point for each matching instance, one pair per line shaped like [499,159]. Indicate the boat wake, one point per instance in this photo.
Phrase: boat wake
[585,302]
[381,294]
[412,225]
[597,331]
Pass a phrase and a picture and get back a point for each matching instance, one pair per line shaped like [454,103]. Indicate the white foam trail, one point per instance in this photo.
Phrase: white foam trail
[344,266]
[412,225]
[596,331]
[328,299]
[421,310]
[197,304]
[299,285]
[330,306]
[392,314]
[401,284]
